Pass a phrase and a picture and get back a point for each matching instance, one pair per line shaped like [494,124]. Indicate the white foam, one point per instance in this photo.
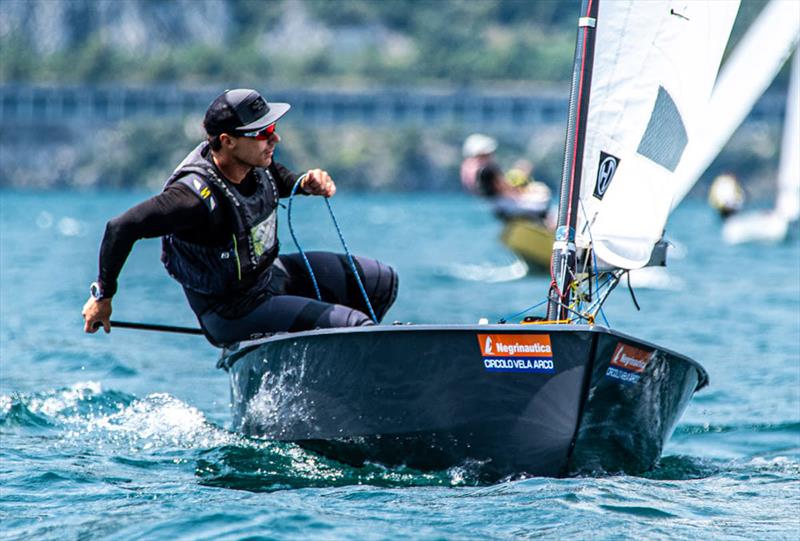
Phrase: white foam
[64,399]
[70,227]
[158,420]
[280,400]
[489,273]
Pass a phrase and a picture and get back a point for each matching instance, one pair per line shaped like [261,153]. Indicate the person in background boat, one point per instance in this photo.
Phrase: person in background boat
[726,195]
[480,173]
[514,194]
[521,174]
[217,215]
[535,192]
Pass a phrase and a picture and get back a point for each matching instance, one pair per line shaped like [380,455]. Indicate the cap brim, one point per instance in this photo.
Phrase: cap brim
[276,110]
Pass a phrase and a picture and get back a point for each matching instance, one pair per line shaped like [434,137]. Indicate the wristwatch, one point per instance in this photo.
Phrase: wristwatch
[96,291]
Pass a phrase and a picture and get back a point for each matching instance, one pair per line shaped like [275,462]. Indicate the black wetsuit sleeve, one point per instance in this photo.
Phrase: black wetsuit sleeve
[284,178]
[173,210]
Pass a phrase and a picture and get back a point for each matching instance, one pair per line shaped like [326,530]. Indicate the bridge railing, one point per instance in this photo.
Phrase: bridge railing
[39,104]
[483,110]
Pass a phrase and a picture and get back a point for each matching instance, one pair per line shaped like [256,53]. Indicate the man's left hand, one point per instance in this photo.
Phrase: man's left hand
[318,182]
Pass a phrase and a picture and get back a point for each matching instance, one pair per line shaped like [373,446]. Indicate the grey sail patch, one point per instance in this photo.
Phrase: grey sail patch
[665,138]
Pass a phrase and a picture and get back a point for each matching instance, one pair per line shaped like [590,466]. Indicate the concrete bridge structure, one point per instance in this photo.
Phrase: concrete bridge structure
[41,105]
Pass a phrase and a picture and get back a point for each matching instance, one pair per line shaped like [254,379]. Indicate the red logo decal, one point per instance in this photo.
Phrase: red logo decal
[630,358]
[515,345]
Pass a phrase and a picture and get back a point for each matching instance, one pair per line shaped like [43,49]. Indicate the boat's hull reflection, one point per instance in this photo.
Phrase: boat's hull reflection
[534,400]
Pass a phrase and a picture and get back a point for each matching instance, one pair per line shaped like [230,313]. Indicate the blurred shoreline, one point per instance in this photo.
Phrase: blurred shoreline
[111,93]
[392,139]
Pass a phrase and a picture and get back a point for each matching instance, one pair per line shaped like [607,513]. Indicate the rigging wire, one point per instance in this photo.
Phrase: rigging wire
[601,297]
[594,259]
[341,238]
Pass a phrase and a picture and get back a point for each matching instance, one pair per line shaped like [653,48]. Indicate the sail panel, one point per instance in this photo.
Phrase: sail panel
[654,67]
[665,137]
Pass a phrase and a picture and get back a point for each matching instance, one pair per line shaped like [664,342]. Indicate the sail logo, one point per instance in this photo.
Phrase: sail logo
[605,173]
[516,353]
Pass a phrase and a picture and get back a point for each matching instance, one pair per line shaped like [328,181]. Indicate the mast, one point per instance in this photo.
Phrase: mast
[563,262]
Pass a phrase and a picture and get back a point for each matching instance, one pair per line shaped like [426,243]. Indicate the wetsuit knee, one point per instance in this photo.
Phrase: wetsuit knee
[381,284]
[388,293]
[338,284]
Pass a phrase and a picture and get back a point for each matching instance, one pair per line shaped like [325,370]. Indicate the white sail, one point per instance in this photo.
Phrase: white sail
[788,199]
[772,226]
[654,68]
[744,77]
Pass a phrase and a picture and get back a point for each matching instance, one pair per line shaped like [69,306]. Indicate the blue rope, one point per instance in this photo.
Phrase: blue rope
[512,316]
[352,263]
[344,244]
[596,279]
[608,281]
[294,238]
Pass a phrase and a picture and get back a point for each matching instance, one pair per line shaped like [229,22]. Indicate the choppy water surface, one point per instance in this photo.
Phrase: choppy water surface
[127,436]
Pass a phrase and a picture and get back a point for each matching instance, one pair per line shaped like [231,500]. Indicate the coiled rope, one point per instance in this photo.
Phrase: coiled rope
[341,238]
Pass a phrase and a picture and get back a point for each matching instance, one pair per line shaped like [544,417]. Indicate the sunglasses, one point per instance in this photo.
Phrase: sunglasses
[261,135]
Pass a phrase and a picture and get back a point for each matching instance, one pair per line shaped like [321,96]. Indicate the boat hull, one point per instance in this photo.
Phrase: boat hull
[531,241]
[533,401]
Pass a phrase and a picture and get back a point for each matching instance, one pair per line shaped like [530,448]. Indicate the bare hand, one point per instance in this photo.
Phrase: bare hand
[96,314]
[318,182]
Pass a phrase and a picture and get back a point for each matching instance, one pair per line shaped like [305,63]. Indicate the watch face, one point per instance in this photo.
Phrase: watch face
[95,290]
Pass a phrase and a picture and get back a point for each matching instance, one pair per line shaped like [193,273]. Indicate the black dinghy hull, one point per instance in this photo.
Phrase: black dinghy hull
[545,400]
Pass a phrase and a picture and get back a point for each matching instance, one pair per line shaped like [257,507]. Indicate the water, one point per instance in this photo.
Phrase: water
[126,436]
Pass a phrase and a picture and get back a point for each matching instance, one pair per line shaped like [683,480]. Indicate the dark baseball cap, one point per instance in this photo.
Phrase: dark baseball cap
[241,109]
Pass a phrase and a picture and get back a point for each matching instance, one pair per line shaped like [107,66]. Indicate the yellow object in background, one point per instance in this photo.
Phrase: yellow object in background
[520,173]
[726,195]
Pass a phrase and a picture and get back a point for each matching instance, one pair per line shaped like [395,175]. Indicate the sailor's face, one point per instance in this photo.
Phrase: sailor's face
[256,152]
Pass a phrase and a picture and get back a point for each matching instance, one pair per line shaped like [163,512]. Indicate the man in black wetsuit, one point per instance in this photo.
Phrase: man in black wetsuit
[217,215]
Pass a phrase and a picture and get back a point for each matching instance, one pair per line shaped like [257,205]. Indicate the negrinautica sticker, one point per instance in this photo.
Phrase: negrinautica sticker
[517,353]
[628,363]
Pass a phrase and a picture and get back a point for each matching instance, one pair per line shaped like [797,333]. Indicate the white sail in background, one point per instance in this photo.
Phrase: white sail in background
[788,200]
[772,225]
[746,74]
[654,68]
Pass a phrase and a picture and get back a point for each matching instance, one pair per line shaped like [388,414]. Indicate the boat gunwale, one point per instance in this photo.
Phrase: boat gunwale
[229,357]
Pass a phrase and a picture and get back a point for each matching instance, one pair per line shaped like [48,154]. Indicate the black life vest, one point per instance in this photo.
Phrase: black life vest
[221,271]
